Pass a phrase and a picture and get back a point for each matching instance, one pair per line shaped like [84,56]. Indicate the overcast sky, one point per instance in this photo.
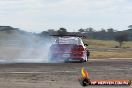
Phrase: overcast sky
[39,15]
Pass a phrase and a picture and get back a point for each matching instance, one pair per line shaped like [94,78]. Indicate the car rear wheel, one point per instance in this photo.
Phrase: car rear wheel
[81,61]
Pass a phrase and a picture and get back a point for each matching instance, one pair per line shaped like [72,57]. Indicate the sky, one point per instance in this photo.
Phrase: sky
[41,15]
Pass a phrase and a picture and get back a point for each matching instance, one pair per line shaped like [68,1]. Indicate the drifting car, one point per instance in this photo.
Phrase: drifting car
[68,49]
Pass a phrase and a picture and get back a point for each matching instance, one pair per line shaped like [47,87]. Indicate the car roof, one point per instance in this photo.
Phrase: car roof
[67,40]
[68,37]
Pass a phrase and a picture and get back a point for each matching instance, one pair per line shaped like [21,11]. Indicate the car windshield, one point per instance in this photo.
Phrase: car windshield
[69,40]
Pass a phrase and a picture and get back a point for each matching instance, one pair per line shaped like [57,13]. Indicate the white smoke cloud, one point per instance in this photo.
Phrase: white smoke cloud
[24,47]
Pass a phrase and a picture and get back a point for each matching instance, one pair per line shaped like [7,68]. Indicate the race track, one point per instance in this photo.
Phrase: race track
[62,75]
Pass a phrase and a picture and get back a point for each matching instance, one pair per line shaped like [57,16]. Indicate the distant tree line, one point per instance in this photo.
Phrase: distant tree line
[108,34]
[90,33]
[103,34]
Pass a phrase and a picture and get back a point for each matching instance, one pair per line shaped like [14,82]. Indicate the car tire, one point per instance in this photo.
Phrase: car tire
[86,57]
[81,61]
[88,54]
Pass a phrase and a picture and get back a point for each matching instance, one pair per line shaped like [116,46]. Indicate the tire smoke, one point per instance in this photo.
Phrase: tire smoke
[23,47]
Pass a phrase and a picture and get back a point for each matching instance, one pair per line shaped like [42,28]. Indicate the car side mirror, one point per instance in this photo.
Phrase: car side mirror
[85,44]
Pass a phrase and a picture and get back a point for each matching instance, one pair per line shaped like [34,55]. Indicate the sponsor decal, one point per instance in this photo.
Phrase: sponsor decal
[85,80]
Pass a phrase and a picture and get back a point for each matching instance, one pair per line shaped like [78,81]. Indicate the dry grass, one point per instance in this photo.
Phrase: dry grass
[110,54]
[106,43]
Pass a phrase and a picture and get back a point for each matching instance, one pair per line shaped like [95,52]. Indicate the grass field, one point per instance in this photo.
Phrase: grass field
[101,49]
[106,43]
[111,54]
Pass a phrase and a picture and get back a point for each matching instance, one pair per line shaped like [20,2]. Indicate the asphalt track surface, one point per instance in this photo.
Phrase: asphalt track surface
[62,75]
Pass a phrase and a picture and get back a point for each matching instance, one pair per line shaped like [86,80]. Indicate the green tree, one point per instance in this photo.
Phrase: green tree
[110,30]
[90,29]
[103,30]
[121,38]
[130,26]
[81,30]
[62,31]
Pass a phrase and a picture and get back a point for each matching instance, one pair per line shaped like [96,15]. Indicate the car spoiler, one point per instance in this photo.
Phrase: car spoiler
[73,35]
